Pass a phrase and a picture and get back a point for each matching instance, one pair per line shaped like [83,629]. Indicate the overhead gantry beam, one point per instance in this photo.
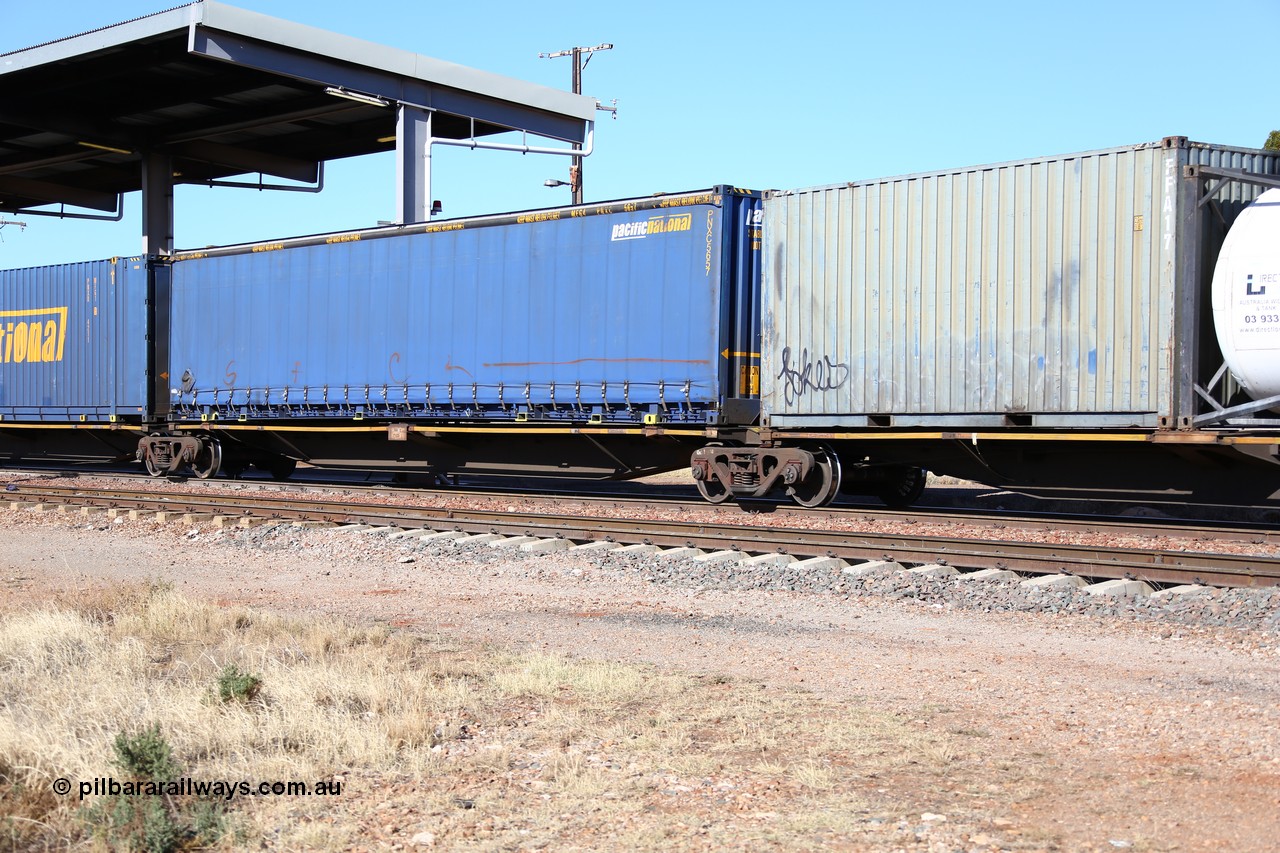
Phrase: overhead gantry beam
[244,160]
[50,193]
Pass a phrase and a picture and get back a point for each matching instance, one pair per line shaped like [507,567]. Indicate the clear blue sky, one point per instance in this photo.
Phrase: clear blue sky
[756,94]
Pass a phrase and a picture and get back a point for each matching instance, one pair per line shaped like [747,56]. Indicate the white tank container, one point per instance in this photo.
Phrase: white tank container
[1246,297]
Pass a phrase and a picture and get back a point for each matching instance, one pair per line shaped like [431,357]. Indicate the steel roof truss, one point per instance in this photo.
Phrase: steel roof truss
[51,193]
[244,160]
[323,73]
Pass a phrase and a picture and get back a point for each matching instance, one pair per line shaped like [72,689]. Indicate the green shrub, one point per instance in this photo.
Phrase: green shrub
[146,755]
[236,685]
[153,823]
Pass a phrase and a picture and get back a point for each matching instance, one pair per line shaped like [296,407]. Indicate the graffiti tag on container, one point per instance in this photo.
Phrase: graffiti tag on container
[810,374]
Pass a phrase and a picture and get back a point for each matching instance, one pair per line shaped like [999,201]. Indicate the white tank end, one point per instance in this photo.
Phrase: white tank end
[1246,297]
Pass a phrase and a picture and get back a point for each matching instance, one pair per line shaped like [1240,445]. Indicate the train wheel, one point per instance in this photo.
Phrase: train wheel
[713,491]
[153,468]
[209,460]
[906,489]
[156,463]
[823,483]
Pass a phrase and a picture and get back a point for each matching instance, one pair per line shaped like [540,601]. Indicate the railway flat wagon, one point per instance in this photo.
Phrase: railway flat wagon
[1044,324]
[74,371]
[541,342]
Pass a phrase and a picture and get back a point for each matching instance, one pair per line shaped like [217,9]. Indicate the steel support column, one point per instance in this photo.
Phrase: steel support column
[1190,287]
[413,164]
[157,204]
[575,170]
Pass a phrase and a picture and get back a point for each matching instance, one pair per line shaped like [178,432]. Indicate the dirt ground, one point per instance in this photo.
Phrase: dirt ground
[1068,733]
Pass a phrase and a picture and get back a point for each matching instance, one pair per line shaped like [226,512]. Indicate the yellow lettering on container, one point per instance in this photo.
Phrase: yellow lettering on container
[33,335]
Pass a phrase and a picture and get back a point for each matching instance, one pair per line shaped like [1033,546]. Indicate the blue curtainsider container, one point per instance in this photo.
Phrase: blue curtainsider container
[73,342]
[615,311]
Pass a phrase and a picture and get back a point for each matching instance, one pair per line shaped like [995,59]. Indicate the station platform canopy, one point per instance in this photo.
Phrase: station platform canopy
[206,91]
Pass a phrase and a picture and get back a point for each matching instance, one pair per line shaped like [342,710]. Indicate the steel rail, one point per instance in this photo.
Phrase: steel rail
[1163,567]
[1254,533]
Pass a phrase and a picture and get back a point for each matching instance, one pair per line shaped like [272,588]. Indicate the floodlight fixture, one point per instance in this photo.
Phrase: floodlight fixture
[358,97]
[105,148]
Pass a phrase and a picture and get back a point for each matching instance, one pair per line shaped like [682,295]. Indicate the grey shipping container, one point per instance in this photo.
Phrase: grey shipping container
[1055,292]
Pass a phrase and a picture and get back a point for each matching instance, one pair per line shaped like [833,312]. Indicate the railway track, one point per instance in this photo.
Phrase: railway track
[1037,557]
[638,495]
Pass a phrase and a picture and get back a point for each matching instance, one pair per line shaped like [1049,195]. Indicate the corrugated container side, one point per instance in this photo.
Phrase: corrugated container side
[473,317]
[73,341]
[1039,292]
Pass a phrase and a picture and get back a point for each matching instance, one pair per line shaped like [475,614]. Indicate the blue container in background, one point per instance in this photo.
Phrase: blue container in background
[73,342]
[620,310]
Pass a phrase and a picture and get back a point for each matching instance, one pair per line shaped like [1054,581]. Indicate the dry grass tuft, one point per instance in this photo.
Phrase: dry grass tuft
[479,748]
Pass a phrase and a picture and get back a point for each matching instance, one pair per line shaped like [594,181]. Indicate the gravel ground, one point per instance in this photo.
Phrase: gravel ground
[1096,723]
[1245,609]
